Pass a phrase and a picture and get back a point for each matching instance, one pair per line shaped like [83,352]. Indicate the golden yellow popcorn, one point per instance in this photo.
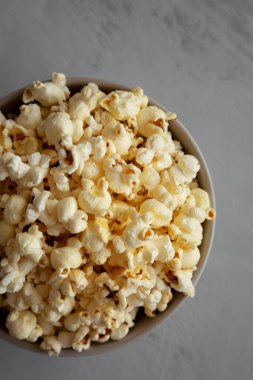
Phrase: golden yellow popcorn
[100,214]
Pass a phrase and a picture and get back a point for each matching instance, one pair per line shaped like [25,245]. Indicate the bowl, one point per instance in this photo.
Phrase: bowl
[10,103]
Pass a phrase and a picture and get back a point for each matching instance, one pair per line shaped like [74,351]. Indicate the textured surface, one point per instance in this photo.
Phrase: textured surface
[196,58]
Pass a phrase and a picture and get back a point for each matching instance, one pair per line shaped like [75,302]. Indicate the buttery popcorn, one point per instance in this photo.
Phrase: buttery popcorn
[100,214]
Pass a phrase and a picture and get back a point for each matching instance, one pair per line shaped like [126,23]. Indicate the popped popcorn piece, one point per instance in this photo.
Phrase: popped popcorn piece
[14,209]
[35,209]
[30,116]
[52,345]
[93,199]
[115,131]
[122,178]
[65,257]
[123,105]
[73,219]
[91,95]
[160,214]
[57,126]
[38,169]
[48,93]
[23,325]
[78,109]
[151,120]
[12,166]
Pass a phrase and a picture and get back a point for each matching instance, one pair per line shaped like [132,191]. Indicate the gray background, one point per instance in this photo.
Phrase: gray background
[196,58]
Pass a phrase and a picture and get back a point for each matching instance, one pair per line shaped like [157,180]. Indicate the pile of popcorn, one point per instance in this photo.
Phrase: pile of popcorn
[100,214]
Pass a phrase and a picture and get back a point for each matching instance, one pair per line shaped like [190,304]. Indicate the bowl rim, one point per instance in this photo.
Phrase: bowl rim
[178,298]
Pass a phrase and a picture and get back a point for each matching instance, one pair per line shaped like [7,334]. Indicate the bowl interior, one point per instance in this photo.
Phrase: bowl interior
[9,104]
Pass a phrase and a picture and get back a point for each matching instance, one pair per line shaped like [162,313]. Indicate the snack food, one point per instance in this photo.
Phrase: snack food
[101,214]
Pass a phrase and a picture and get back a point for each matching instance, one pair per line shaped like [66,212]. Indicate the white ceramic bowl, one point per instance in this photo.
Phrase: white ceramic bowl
[10,103]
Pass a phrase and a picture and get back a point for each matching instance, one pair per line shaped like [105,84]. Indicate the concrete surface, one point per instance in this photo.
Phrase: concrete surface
[195,57]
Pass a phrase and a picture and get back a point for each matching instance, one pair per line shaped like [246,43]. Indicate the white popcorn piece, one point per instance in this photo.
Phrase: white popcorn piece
[47,328]
[57,126]
[123,105]
[202,202]
[93,199]
[12,166]
[120,332]
[158,249]
[81,339]
[66,209]
[91,95]
[92,128]
[26,244]
[78,109]
[38,169]
[48,93]
[182,282]
[190,258]
[151,120]
[14,209]
[52,345]
[23,325]
[65,257]
[137,231]
[30,116]
[149,178]
[95,238]
[61,181]
[116,132]
[118,244]
[186,230]
[122,177]
[92,170]
[159,213]
[185,170]
[144,156]
[78,222]
[49,215]
[35,209]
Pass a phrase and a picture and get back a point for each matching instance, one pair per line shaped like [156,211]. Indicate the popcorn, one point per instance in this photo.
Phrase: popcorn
[51,345]
[144,156]
[151,120]
[14,209]
[149,178]
[35,209]
[23,325]
[101,214]
[65,257]
[38,169]
[12,166]
[57,126]
[93,198]
[47,93]
[91,95]
[30,116]
[66,209]
[121,177]
[78,109]
[160,214]
[190,258]
[123,105]
[115,131]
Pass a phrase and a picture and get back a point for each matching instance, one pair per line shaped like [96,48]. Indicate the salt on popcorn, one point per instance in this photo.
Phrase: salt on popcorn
[101,214]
